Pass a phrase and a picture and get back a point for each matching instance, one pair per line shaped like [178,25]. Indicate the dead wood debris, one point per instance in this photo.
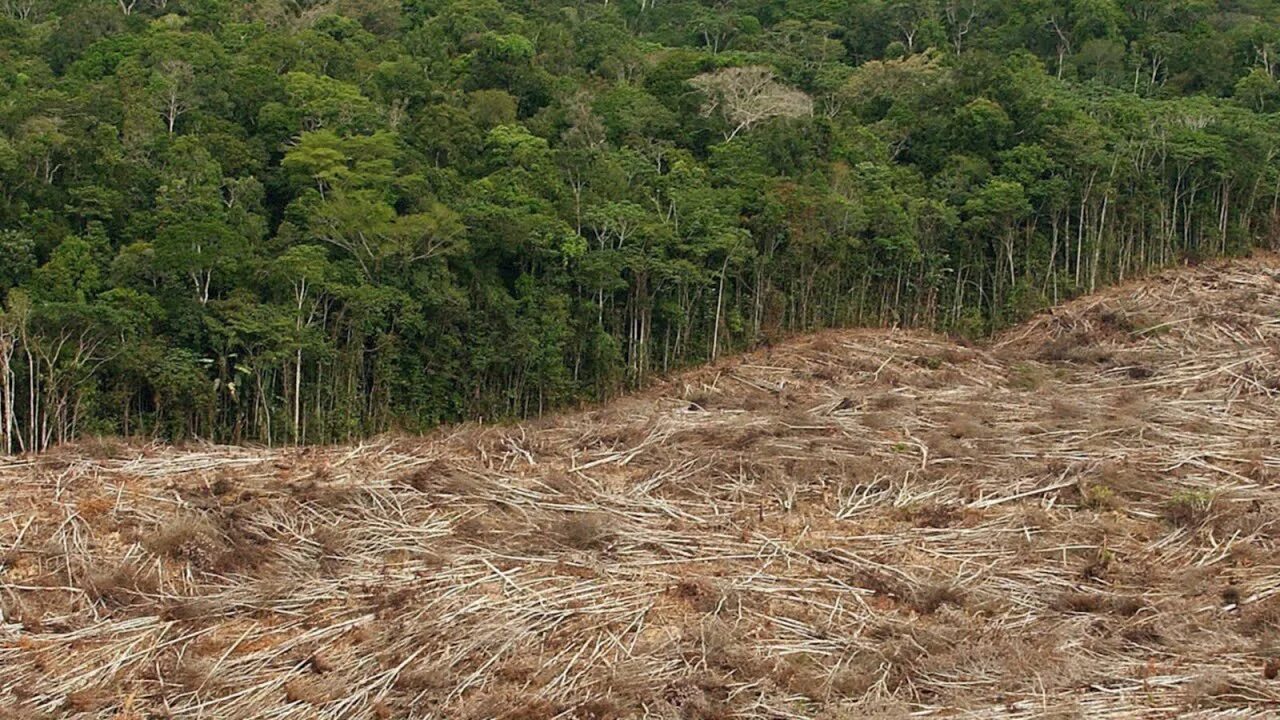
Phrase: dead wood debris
[1077,519]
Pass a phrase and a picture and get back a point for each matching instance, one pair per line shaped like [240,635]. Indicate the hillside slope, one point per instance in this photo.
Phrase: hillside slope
[1078,519]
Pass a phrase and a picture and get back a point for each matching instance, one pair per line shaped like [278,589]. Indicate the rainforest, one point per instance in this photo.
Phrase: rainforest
[300,221]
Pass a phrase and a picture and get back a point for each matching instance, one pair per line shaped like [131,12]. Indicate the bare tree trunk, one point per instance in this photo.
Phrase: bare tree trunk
[1097,244]
[297,398]
[6,391]
[715,332]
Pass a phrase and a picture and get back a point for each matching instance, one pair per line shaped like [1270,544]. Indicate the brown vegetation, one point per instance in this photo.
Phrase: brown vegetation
[1078,519]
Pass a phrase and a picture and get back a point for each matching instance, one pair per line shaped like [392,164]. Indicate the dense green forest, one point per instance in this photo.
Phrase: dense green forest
[308,220]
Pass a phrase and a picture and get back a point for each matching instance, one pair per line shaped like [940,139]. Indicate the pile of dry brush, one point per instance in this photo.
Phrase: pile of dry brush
[1078,519]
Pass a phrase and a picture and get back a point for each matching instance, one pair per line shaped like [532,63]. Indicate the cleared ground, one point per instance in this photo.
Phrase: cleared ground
[1079,519]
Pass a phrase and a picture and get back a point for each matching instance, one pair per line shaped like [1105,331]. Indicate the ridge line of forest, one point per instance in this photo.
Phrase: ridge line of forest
[312,221]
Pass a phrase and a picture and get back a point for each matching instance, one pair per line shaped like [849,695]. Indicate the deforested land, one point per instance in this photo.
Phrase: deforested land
[1078,518]
[493,359]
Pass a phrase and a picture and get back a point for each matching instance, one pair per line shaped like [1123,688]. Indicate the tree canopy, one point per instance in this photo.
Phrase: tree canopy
[276,221]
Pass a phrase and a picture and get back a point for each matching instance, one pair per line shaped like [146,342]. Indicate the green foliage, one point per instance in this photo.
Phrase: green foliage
[18,251]
[307,223]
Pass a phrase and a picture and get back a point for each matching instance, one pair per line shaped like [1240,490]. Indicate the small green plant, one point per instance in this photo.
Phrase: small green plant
[1101,497]
[932,362]
[1155,329]
[1024,376]
[1188,508]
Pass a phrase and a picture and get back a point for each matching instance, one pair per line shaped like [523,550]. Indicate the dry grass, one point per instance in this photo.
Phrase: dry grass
[1078,519]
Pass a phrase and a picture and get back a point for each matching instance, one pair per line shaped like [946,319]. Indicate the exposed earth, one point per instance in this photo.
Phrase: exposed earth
[1078,518]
